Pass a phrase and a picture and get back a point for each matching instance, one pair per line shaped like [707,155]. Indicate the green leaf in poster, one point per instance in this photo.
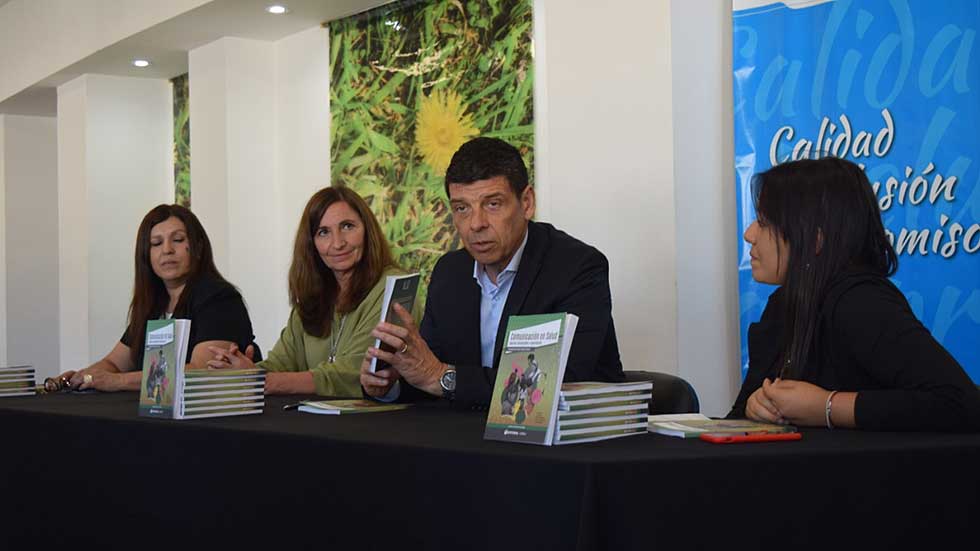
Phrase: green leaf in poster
[382,142]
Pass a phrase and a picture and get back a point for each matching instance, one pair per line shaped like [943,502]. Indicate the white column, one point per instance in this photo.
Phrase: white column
[609,156]
[234,188]
[303,131]
[3,244]
[707,233]
[115,163]
[30,180]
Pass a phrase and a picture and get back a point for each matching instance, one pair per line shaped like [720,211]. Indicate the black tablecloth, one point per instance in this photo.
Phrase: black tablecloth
[87,466]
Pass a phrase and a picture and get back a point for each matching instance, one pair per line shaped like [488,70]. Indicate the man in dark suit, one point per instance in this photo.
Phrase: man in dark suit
[509,265]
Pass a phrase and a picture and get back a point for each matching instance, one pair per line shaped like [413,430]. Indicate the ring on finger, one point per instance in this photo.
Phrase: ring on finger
[87,379]
[404,349]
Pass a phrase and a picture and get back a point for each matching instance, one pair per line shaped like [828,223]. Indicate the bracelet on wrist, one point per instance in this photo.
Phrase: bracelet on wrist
[826,409]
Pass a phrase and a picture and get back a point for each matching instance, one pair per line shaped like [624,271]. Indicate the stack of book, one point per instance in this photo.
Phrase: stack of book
[170,391]
[219,393]
[17,381]
[593,411]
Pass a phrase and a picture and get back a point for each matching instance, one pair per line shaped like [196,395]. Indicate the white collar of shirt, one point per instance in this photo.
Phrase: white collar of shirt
[480,272]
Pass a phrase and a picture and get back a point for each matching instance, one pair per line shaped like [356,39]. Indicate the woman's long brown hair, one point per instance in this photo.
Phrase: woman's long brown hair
[313,289]
[150,297]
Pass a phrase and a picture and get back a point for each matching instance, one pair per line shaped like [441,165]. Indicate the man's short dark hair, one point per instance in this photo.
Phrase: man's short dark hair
[485,158]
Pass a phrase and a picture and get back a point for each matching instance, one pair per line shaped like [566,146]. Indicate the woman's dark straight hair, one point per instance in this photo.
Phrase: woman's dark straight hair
[150,297]
[828,215]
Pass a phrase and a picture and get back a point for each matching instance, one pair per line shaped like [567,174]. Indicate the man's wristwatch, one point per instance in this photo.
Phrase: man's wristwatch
[448,382]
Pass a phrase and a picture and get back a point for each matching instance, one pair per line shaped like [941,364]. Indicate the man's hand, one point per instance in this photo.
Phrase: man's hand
[412,359]
[378,384]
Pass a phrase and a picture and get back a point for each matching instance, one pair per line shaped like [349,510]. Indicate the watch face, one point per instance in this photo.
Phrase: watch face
[448,380]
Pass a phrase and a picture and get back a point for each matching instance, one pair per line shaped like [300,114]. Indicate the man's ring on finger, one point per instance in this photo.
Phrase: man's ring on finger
[404,349]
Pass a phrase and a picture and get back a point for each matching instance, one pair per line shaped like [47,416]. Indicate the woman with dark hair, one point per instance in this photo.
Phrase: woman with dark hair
[838,344]
[336,287]
[175,276]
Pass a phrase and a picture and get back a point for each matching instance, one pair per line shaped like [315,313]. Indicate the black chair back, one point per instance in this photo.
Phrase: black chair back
[671,394]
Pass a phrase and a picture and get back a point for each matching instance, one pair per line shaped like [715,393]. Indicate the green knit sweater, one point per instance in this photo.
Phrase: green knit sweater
[296,350]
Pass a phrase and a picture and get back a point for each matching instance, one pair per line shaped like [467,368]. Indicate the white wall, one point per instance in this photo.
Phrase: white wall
[607,137]
[115,161]
[3,244]
[31,219]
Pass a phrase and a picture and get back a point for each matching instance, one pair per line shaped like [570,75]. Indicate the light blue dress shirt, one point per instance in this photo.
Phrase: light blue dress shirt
[492,300]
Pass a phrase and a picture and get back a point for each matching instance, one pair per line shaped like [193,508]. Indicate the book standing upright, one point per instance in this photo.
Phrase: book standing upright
[169,391]
[524,403]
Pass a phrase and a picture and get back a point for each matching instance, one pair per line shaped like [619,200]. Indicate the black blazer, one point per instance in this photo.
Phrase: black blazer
[557,273]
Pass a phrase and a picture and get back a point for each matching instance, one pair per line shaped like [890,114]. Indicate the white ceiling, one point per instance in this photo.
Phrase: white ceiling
[166,45]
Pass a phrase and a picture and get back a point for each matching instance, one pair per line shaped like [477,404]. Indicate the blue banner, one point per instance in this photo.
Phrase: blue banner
[893,85]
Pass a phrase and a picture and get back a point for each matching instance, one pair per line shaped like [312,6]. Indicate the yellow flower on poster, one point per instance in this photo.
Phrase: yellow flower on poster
[441,128]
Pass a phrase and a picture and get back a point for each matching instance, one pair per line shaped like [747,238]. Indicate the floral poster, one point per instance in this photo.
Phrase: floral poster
[182,141]
[411,82]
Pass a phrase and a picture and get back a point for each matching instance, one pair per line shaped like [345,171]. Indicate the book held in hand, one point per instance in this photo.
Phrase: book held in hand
[399,289]
[524,403]
[170,391]
[19,380]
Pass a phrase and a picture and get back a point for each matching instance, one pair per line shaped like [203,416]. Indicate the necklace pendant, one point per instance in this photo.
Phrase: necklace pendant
[331,358]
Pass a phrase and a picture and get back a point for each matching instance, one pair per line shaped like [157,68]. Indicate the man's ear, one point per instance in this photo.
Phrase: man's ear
[528,202]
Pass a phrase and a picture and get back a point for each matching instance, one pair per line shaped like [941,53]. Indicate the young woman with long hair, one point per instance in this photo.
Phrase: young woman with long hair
[175,276]
[838,344]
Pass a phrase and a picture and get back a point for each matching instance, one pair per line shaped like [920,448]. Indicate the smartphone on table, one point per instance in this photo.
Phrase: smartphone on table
[739,437]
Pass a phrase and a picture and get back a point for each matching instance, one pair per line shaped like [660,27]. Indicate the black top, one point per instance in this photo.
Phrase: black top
[869,341]
[557,273]
[217,313]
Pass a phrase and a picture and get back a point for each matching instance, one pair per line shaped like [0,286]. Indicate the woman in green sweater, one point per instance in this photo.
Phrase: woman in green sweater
[336,286]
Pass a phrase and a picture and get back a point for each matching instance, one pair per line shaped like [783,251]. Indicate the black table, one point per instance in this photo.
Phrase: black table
[87,466]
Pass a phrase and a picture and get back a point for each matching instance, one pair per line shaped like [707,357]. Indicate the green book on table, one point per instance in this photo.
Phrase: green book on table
[221,392]
[524,402]
[17,381]
[692,425]
[164,351]
[346,407]
[170,391]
